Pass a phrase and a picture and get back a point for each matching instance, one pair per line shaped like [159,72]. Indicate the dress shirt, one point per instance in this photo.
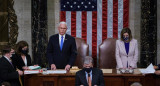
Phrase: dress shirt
[126,47]
[8,59]
[25,61]
[87,75]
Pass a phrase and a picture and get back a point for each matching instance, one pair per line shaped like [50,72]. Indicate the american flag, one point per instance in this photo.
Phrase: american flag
[95,20]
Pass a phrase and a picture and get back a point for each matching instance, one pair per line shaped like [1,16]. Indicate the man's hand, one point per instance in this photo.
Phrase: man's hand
[53,67]
[157,72]
[155,67]
[67,67]
[20,72]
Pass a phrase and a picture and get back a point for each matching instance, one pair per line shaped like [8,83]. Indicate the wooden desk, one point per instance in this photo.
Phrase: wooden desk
[111,79]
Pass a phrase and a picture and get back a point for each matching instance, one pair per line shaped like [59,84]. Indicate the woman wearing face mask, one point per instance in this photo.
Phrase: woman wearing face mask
[21,59]
[126,50]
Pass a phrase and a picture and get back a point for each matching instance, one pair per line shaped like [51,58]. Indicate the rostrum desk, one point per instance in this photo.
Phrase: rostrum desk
[111,79]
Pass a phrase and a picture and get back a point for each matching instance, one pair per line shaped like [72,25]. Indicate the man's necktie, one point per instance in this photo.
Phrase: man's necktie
[61,46]
[10,61]
[89,80]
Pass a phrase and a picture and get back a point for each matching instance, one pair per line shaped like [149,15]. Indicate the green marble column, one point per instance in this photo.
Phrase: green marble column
[148,51]
[39,31]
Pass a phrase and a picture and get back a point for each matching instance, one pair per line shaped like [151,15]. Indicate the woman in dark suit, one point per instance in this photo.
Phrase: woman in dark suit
[21,59]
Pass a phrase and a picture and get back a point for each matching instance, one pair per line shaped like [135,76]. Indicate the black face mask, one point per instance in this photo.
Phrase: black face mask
[88,70]
[25,52]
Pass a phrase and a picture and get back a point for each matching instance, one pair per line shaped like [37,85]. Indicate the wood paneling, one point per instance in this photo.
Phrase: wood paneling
[111,79]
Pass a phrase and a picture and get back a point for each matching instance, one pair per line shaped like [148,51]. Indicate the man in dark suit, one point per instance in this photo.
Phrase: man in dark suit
[7,71]
[61,50]
[89,76]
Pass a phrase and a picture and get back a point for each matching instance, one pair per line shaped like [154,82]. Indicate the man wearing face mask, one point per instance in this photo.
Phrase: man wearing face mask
[89,76]
[7,71]
[126,50]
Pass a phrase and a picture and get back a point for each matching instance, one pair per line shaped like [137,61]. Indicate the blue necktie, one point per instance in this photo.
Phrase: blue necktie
[61,43]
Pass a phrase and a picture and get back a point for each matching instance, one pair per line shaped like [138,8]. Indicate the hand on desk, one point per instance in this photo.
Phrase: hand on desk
[25,68]
[155,67]
[157,72]
[67,67]
[53,67]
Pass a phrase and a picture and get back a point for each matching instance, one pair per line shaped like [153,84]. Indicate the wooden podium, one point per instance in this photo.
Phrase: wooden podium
[111,79]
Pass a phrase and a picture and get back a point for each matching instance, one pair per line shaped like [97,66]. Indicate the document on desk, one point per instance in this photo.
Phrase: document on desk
[34,67]
[56,71]
[149,69]
[107,70]
[31,71]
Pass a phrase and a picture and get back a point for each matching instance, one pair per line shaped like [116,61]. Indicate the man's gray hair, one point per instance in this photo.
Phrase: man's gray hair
[88,60]
[136,84]
[62,22]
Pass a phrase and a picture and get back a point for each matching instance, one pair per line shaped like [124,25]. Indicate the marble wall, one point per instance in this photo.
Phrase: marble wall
[23,12]
[148,32]
[135,20]
[39,32]
[53,18]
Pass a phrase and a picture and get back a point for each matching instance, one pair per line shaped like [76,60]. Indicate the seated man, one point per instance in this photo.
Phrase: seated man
[7,71]
[136,84]
[89,76]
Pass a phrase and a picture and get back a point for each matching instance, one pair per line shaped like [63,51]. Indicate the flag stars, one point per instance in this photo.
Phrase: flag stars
[78,6]
[82,2]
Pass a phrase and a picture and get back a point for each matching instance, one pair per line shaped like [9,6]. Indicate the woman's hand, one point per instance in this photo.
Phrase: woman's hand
[25,68]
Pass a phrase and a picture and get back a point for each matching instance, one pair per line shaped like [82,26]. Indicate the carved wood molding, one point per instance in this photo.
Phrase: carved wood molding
[13,27]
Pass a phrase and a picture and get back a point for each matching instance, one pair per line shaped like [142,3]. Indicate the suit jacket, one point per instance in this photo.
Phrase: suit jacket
[64,57]
[97,78]
[121,56]
[18,61]
[8,72]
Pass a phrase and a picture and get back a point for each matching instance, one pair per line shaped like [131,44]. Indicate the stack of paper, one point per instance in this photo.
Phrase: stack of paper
[107,70]
[56,71]
[31,71]
[149,69]
[34,67]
